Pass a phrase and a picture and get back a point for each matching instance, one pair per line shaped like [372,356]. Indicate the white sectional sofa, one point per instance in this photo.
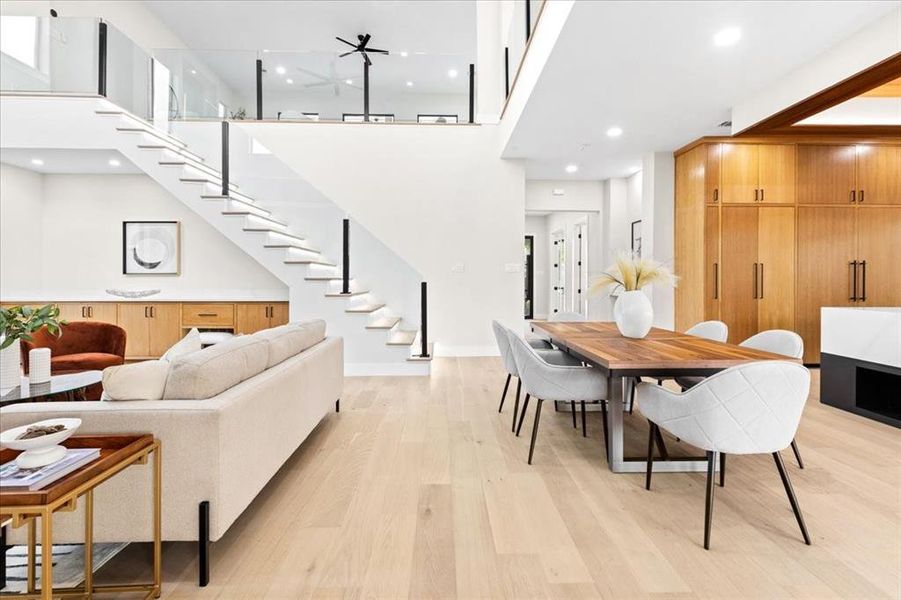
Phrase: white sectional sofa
[232,414]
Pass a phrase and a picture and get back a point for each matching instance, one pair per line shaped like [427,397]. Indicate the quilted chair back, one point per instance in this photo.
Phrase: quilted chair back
[566,316]
[710,330]
[777,341]
[503,344]
[749,409]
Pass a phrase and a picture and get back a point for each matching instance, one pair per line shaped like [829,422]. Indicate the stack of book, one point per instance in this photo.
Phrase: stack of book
[15,479]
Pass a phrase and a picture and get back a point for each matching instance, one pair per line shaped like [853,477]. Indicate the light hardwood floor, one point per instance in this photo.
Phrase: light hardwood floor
[418,489]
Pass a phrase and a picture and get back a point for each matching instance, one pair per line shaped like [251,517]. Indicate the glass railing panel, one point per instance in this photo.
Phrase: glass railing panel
[128,74]
[49,55]
[311,86]
[425,88]
[210,84]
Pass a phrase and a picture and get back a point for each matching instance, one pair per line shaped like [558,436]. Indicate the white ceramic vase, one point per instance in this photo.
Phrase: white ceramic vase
[633,314]
[39,365]
[11,366]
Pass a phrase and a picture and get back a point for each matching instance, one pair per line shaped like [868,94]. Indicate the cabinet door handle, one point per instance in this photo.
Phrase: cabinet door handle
[861,196]
[146,316]
[863,281]
[716,281]
[83,315]
[152,312]
[207,314]
[853,265]
[91,312]
[852,198]
[761,282]
[756,199]
[761,194]
[755,281]
[716,195]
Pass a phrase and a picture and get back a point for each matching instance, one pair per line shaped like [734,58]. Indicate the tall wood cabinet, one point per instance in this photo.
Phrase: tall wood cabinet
[767,234]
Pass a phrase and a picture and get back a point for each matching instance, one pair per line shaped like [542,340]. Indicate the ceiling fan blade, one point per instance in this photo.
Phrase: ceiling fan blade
[317,84]
[376,50]
[346,42]
[346,53]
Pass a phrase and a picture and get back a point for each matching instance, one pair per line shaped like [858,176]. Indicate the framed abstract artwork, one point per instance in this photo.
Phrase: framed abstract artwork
[151,247]
[636,238]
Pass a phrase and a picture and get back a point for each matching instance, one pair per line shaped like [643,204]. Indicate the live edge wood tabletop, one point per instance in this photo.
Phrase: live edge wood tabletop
[117,452]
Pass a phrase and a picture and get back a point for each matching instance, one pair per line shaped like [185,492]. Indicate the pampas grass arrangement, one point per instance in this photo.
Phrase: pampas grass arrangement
[633,273]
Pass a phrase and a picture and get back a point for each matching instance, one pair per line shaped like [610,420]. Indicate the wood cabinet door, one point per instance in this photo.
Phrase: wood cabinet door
[712,174]
[711,263]
[739,271]
[103,311]
[776,255]
[738,173]
[134,318]
[777,173]
[826,247]
[689,237]
[73,311]
[879,244]
[826,174]
[165,327]
[278,314]
[878,174]
[251,317]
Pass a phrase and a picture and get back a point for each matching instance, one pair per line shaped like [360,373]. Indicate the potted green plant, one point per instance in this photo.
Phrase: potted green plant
[17,323]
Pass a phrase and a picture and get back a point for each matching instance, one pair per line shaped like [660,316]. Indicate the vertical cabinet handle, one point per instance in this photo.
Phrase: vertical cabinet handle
[755,281]
[152,316]
[91,312]
[83,315]
[761,282]
[716,195]
[716,281]
[761,194]
[852,198]
[756,199]
[853,265]
[861,196]
[146,316]
[863,281]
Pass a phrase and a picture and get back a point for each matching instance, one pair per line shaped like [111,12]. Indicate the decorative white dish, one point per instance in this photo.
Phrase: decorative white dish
[43,450]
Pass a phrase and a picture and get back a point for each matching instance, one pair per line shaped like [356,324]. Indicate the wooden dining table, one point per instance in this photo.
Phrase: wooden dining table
[661,354]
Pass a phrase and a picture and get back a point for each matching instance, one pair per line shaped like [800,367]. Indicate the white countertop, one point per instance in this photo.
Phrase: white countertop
[866,333]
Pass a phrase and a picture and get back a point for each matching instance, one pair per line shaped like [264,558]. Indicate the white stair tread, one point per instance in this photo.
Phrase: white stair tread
[402,338]
[308,261]
[383,323]
[262,228]
[340,295]
[264,220]
[209,180]
[157,134]
[303,245]
[171,149]
[423,359]
[365,308]
[323,278]
[231,198]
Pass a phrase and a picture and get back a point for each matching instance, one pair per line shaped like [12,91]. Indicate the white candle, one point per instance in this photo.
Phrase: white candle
[39,365]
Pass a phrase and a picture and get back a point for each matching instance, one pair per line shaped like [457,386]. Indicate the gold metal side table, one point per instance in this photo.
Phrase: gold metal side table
[117,452]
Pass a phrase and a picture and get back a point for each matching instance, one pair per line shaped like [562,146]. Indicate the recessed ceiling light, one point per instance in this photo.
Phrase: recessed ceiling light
[727,36]
[349,81]
[265,50]
[289,81]
[193,72]
[614,132]
[572,168]
[37,162]
[280,70]
[409,84]
[114,162]
[404,53]
[452,73]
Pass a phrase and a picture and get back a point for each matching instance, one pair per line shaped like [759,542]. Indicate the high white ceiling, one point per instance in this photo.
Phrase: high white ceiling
[434,27]
[652,69]
[60,160]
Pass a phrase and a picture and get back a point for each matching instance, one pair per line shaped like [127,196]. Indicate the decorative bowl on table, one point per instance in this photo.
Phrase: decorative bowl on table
[44,448]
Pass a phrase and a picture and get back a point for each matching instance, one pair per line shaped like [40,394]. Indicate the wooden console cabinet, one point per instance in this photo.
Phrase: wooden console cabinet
[767,233]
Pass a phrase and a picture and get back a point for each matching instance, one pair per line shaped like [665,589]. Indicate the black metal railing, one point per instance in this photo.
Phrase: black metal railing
[424,320]
[345,259]
[101,56]
[225,176]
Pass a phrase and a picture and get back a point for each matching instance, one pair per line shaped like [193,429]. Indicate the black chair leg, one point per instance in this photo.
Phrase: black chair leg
[708,510]
[584,422]
[535,429]
[572,408]
[722,469]
[650,465]
[797,454]
[504,395]
[522,414]
[203,544]
[632,394]
[790,492]
[516,403]
[338,405]
[661,445]
[606,436]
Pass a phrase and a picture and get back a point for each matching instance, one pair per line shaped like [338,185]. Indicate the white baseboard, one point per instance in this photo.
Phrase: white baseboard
[400,369]
[445,350]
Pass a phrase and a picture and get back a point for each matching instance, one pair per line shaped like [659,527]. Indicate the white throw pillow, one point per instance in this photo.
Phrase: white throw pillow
[135,381]
[186,345]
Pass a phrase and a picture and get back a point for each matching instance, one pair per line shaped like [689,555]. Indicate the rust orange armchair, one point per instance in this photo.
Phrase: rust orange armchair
[83,346]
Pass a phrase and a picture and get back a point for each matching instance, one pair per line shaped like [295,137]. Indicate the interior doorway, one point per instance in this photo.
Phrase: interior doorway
[558,270]
[580,269]
[529,249]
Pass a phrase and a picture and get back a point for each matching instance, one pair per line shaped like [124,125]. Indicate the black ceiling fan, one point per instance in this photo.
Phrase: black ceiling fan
[361,48]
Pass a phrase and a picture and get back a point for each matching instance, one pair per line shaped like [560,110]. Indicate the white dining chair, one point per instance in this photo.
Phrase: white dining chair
[540,342]
[552,356]
[753,408]
[546,381]
[777,341]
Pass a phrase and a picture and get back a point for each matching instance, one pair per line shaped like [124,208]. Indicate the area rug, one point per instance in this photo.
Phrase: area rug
[68,564]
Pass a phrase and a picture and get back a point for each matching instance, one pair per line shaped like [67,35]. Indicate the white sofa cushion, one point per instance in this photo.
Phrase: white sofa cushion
[186,345]
[136,381]
[208,372]
[289,340]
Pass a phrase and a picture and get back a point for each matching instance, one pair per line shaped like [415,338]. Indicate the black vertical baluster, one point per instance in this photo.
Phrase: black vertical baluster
[472,92]
[259,90]
[365,91]
[345,275]
[506,72]
[528,19]
[225,158]
[101,53]
[424,320]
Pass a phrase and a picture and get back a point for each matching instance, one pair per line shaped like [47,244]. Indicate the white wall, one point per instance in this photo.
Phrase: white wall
[74,224]
[537,226]
[440,197]
[658,219]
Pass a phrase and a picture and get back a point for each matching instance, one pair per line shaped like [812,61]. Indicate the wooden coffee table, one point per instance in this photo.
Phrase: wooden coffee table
[117,452]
